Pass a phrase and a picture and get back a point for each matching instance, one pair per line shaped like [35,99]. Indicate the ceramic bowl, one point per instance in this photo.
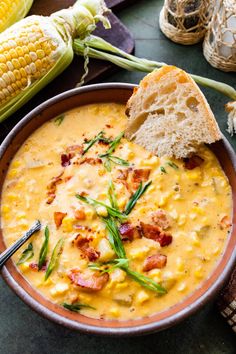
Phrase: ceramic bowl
[207,291]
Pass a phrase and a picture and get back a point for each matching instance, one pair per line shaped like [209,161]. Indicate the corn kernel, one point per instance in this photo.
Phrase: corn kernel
[12,173]
[194,174]
[192,216]
[182,219]
[173,213]
[198,272]
[142,296]
[198,210]
[162,201]
[12,197]
[195,239]
[153,161]
[182,287]
[67,224]
[15,163]
[90,213]
[180,264]
[24,266]
[138,253]
[101,172]
[122,203]
[102,211]
[5,209]
[114,311]
[120,286]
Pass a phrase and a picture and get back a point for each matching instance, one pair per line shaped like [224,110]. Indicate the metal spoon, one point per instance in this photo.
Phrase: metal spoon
[4,256]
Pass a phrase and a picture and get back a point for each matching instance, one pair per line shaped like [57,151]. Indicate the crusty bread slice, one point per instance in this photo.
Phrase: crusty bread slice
[169,115]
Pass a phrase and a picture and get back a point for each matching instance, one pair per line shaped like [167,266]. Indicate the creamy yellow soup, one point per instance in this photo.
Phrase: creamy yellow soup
[173,236]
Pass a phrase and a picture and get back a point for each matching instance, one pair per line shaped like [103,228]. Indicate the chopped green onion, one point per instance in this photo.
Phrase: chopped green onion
[113,145]
[133,200]
[114,237]
[163,169]
[173,165]
[91,142]
[118,161]
[76,307]
[54,258]
[146,282]
[111,211]
[44,249]
[58,120]
[27,254]
[112,196]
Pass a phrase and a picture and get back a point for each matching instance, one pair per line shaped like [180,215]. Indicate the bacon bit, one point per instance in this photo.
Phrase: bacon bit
[35,268]
[109,126]
[156,261]
[58,217]
[93,282]
[80,214]
[123,174]
[160,218]
[83,244]
[66,179]
[191,162]
[52,187]
[74,149]
[225,222]
[91,161]
[102,142]
[140,175]
[65,160]
[127,231]
[155,233]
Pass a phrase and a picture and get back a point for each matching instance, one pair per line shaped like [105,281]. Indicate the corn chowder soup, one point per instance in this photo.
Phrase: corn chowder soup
[125,234]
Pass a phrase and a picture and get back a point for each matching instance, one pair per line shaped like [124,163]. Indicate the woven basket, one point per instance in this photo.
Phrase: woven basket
[185,21]
[219,46]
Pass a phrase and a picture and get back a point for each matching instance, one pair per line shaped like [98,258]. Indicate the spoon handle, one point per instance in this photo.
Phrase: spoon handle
[4,256]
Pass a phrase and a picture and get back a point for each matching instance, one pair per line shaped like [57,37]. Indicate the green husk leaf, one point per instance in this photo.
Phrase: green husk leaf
[76,307]
[27,254]
[44,249]
[57,251]
[133,200]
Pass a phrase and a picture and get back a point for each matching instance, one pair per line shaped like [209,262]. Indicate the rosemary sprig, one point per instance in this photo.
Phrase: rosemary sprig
[146,282]
[44,249]
[114,236]
[27,254]
[133,200]
[111,211]
[76,307]
[54,258]
[173,165]
[112,195]
[58,120]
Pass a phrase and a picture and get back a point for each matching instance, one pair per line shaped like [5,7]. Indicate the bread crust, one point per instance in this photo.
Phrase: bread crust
[154,94]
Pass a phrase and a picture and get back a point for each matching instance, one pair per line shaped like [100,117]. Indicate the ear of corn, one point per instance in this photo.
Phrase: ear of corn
[12,11]
[37,49]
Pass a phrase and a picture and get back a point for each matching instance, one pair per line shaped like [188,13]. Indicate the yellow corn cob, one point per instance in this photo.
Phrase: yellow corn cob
[12,11]
[37,49]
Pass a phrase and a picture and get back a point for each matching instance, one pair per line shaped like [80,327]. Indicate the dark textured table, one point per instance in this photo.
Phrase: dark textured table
[24,332]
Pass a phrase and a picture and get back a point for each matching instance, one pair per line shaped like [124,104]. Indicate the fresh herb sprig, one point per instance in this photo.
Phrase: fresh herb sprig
[114,236]
[58,120]
[115,263]
[112,195]
[95,203]
[27,254]
[76,307]
[109,158]
[99,137]
[54,258]
[44,249]
[173,165]
[133,200]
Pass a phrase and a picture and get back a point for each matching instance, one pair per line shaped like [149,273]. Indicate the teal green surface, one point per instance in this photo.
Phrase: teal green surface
[24,332]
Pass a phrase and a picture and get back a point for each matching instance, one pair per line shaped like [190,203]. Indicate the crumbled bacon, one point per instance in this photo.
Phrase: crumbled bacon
[79,214]
[35,268]
[92,281]
[74,149]
[123,174]
[155,233]
[127,231]
[156,261]
[225,222]
[91,161]
[140,175]
[83,244]
[192,162]
[160,218]
[58,217]
[65,160]
[52,187]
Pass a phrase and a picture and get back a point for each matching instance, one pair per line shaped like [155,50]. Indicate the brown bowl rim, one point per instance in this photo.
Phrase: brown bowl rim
[113,331]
